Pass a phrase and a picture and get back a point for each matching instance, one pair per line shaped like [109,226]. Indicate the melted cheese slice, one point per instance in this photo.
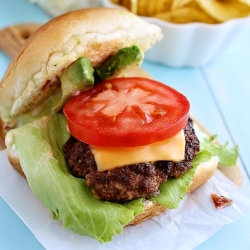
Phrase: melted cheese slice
[172,149]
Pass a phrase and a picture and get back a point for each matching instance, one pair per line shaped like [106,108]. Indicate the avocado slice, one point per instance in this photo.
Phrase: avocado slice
[118,63]
[77,77]
[80,76]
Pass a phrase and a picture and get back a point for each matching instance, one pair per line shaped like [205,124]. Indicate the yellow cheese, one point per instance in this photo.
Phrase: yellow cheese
[172,149]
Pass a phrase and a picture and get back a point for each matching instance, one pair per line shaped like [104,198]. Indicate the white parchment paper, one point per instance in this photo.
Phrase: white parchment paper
[184,228]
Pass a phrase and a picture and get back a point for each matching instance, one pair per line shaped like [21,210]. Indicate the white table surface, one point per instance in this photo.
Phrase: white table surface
[219,96]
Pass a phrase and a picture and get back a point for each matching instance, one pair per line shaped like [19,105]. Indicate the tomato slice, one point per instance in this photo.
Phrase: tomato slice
[126,112]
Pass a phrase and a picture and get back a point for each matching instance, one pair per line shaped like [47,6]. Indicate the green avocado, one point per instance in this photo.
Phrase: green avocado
[129,56]
[80,76]
[77,77]
[79,73]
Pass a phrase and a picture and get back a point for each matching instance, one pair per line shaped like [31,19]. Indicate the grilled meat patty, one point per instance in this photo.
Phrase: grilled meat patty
[132,181]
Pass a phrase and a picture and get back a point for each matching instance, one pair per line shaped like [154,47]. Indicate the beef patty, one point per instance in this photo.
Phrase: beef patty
[132,181]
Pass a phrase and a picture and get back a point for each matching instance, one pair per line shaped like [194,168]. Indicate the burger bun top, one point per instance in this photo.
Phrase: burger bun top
[95,33]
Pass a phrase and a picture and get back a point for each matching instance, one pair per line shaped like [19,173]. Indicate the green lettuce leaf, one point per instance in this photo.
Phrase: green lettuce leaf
[135,205]
[173,191]
[69,198]
[227,155]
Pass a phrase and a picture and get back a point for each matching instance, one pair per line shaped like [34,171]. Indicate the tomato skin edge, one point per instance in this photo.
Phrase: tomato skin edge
[90,136]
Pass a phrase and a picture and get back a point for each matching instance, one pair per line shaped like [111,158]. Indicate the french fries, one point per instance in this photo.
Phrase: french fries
[186,11]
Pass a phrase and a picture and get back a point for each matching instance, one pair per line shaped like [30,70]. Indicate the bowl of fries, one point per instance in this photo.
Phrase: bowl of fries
[195,32]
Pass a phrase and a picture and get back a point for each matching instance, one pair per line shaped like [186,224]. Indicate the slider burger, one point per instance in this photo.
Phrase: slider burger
[99,149]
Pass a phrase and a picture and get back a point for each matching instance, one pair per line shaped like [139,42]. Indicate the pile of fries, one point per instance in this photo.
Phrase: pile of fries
[186,11]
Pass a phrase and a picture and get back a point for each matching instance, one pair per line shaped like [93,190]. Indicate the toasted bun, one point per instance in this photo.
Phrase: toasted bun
[204,172]
[94,33]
